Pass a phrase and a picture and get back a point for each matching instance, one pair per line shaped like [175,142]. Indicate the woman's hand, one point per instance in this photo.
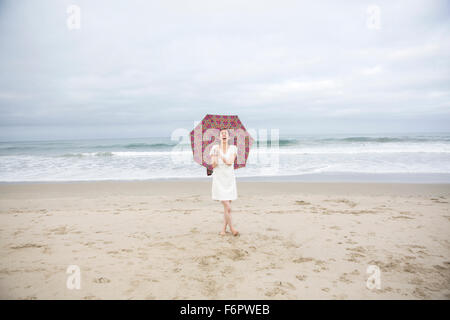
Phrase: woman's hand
[228,163]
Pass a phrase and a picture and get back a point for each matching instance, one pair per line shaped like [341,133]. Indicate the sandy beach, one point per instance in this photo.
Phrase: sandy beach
[159,240]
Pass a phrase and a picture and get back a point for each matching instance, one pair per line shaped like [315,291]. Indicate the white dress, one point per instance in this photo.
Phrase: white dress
[223,178]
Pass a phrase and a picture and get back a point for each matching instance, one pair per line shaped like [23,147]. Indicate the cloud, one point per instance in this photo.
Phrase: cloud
[371,70]
[169,63]
[427,51]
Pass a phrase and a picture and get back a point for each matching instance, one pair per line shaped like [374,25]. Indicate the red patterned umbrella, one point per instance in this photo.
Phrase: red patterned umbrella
[206,134]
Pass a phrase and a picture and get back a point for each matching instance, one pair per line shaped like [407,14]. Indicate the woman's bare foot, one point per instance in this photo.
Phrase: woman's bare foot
[222,233]
[235,233]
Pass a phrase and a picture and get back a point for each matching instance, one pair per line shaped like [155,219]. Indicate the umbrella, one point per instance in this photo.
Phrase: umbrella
[206,133]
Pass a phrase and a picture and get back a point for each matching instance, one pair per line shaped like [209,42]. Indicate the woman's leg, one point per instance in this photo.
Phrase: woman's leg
[228,204]
[225,218]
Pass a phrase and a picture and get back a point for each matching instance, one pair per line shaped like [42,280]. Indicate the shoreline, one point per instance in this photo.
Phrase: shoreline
[171,188]
[414,178]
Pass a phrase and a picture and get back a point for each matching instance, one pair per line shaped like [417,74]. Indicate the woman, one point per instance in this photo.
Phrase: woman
[223,178]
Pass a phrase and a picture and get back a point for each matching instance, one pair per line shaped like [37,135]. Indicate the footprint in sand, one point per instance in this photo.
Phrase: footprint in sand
[194,230]
[102,280]
[60,230]
[344,278]
[419,293]
[227,270]
[280,288]
[207,262]
[27,245]
[402,218]
[436,200]
[357,252]
[45,248]
[349,203]
[300,277]
[302,203]
[302,260]
[210,288]
[320,264]
[236,254]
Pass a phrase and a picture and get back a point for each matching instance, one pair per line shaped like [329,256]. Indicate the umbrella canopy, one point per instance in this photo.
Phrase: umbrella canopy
[206,134]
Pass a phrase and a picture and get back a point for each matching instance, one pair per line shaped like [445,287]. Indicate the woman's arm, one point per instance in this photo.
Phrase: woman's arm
[214,157]
[214,161]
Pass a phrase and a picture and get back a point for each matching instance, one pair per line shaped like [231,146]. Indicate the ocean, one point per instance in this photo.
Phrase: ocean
[399,157]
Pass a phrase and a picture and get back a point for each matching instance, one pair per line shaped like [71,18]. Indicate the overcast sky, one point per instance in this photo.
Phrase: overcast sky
[146,68]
